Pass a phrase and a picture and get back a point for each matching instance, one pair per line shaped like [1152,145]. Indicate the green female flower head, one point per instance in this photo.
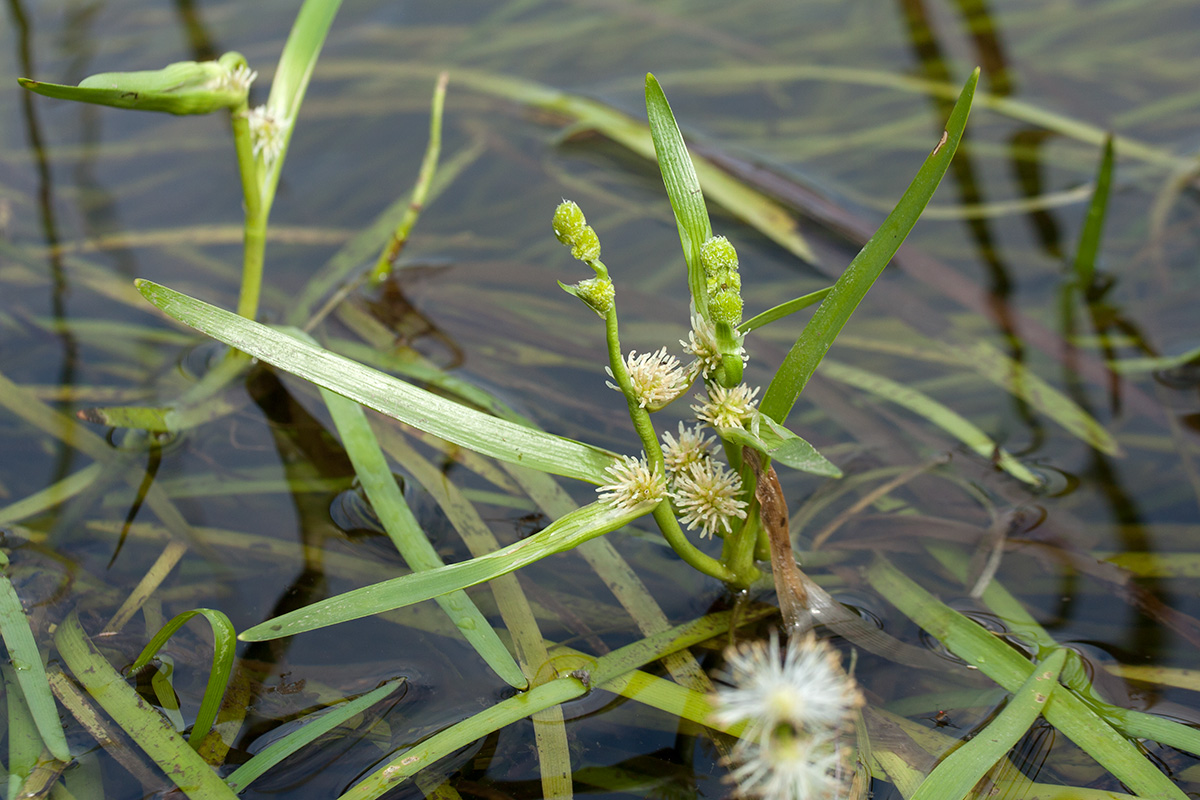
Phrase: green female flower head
[597,293]
[571,228]
[722,281]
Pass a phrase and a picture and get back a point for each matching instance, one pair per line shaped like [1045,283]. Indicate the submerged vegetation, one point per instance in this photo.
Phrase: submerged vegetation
[787,687]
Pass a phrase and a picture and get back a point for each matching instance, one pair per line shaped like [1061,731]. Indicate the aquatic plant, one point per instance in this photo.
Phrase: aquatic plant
[787,714]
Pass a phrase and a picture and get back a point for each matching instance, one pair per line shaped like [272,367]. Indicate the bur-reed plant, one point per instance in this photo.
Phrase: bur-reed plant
[713,479]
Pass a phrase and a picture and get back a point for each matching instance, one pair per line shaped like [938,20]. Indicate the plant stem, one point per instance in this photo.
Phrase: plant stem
[663,514]
[258,208]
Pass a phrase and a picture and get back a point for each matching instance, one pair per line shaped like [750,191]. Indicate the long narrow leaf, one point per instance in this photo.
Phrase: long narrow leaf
[683,188]
[370,465]
[852,286]
[563,534]
[485,434]
[981,649]
[224,645]
[784,309]
[26,662]
[1093,223]
[244,775]
[950,421]
[137,718]
[953,778]
[559,690]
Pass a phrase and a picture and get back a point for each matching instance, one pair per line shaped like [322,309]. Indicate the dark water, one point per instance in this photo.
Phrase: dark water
[802,99]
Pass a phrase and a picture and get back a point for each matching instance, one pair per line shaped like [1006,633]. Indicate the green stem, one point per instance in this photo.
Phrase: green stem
[678,540]
[639,416]
[663,514]
[258,208]
[740,546]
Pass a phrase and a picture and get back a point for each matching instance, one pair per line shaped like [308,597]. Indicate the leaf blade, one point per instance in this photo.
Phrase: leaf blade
[455,423]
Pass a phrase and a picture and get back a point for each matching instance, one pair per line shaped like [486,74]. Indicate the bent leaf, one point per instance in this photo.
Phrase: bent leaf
[185,87]
[224,644]
[145,725]
[424,410]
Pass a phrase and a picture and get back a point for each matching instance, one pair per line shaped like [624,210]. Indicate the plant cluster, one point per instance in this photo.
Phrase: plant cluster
[716,478]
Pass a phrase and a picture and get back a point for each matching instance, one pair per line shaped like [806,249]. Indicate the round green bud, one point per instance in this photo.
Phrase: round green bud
[586,246]
[598,293]
[718,256]
[571,228]
[725,306]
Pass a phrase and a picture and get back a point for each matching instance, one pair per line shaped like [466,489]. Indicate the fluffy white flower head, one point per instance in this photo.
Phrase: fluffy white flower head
[727,408]
[691,447]
[657,378]
[706,494]
[702,343]
[240,78]
[804,692]
[633,483]
[789,768]
[267,134]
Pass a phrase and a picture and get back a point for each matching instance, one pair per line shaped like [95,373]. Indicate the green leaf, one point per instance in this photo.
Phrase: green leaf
[783,309]
[310,731]
[224,645]
[553,692]
[137,718]
[683,188]
[783,446]
[818,336]
[561,535]
[371,467]
[953,778]
[982,650]
[299,56]
[1093,223]
[26,661]
[185,87]
[948,420]
[424,410]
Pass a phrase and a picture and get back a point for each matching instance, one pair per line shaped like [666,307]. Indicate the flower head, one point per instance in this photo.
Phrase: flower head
[727,408]
[789,768]
[657,378]
[633,483]
[805,692]
[702,343]
[706,494]
[691,447]
[238,79]
[267,132]
[571,228]
[794,709]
